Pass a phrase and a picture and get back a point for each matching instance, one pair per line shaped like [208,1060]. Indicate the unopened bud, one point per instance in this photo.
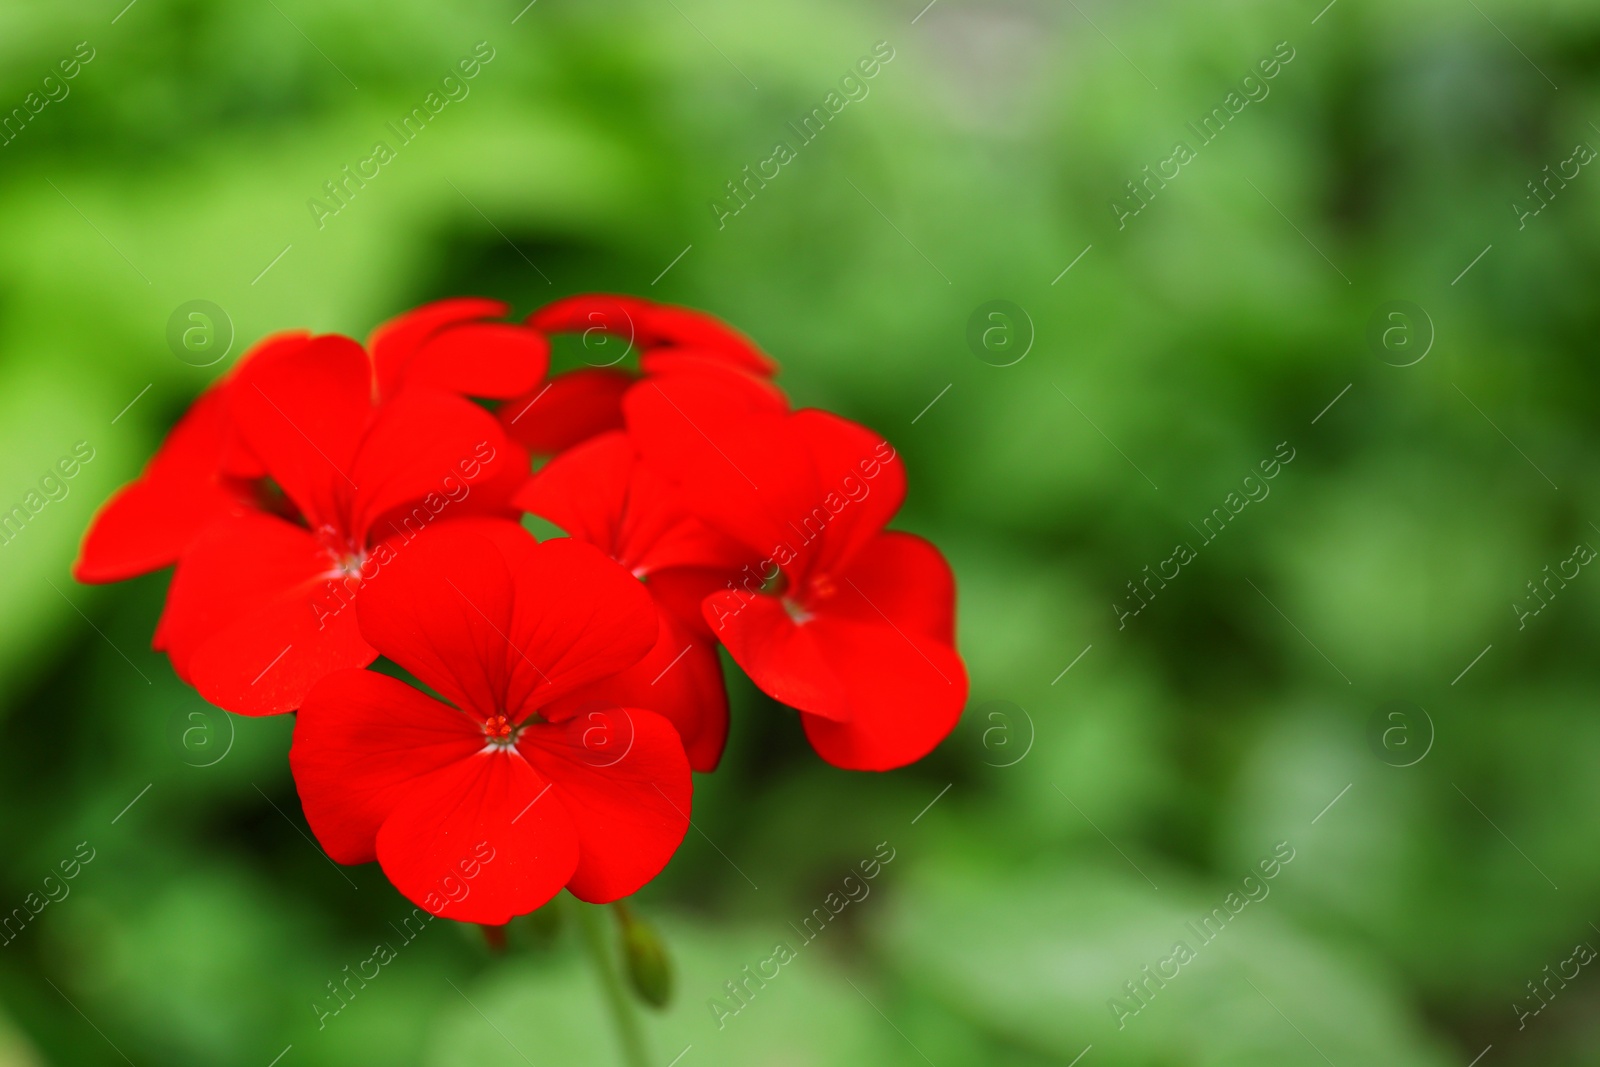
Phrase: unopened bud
[645,956]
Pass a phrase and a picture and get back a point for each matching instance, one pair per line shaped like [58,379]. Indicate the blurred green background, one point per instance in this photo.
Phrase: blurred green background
[1084,817]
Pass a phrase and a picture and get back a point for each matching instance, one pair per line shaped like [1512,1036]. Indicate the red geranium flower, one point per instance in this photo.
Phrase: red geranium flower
[601,493]
[451,797]
[672,341]
[256,612]
[852,625]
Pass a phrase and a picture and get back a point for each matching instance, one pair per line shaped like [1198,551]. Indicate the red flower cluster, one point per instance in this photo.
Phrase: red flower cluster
[327,503]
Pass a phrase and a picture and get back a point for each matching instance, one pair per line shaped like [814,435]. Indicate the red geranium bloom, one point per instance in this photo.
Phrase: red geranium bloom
[601,493]
[672,341]
[852,625]
[255,614]
[450,798]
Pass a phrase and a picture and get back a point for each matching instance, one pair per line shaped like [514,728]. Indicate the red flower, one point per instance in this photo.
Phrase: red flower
[256,612]
[451,798]
[672,342]
[599,492]
[852,625]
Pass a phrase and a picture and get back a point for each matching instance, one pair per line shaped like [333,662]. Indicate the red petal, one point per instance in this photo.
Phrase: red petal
[601,493]
[743,472]
[150,521]
[623,778]
[755,391]
[781,658]
[508,465]
[804,491]
[488,359]
[238,460]
[361,740]
[681,327]
[267,662]
[303,413]
[254,618]
[906,694]
[395,342]
[211,588]
[441,607]
[505,624]
[616,316]
[679,679]
[862,483]
[479,841]
[902,577]
[430,448]
[584,490]
[680,592]
[570,408]
[877,692]
[888,634]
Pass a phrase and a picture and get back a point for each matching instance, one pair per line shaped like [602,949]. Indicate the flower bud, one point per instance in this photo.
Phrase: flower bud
[645,956]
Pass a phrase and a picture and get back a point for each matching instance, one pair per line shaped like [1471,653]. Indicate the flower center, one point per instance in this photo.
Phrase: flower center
[348,557]
[499,730]
[819,588]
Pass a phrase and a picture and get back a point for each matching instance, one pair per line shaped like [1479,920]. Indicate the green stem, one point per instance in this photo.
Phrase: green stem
[597,939]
